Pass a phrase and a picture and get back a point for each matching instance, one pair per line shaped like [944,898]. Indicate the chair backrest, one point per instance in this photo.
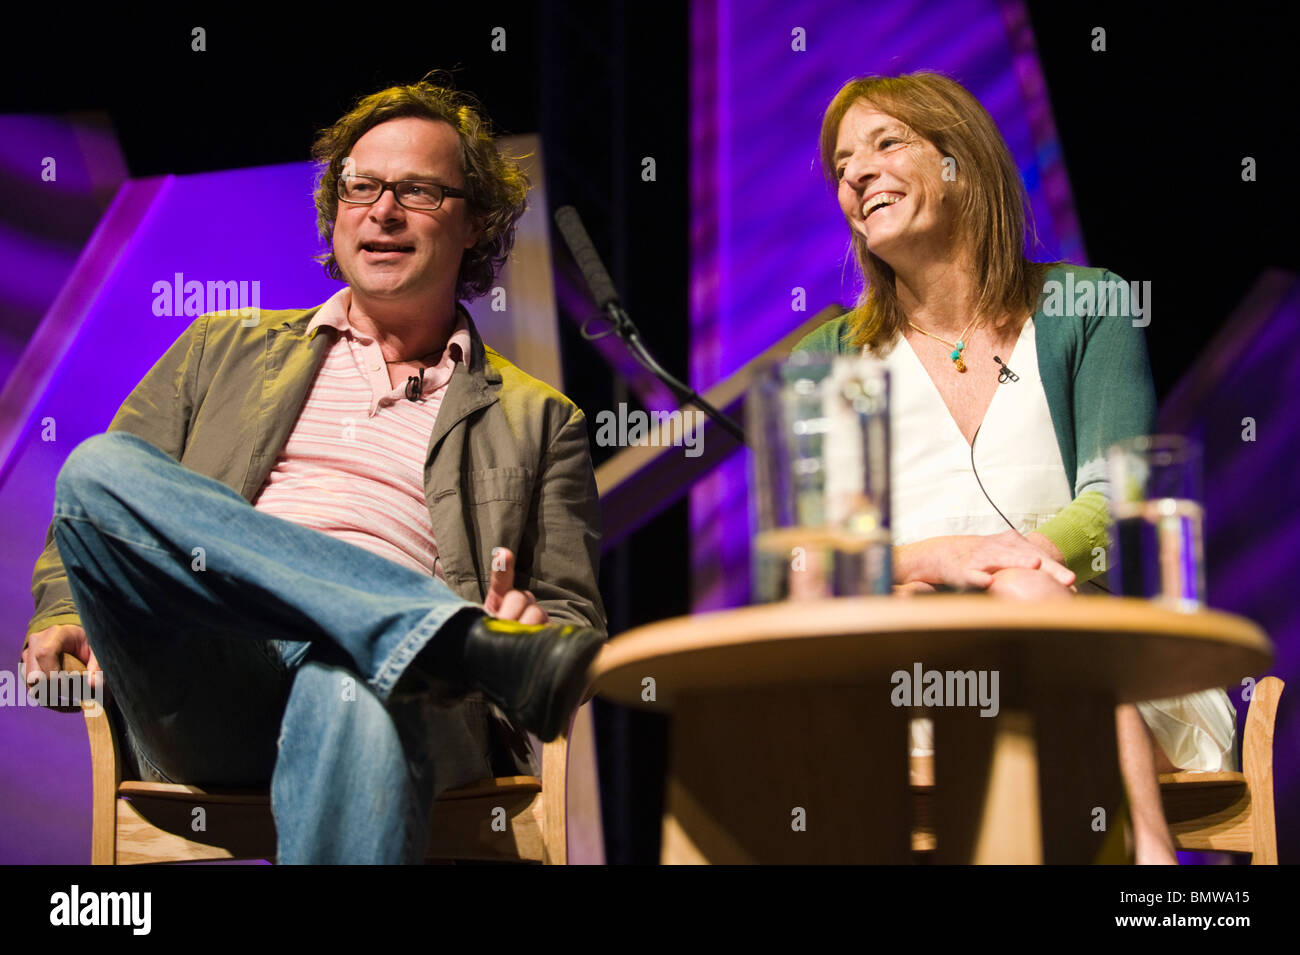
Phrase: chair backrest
[1257,767]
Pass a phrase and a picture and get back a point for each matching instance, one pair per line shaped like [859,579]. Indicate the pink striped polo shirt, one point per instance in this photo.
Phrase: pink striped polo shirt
[353,467]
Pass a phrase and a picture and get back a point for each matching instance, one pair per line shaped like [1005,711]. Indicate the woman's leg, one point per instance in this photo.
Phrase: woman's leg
[1152,844]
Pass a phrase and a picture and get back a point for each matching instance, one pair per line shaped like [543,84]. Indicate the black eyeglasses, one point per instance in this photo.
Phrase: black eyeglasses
[410,193]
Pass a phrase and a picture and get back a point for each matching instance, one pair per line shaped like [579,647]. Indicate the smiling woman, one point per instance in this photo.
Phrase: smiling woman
[937,217]
[924,134]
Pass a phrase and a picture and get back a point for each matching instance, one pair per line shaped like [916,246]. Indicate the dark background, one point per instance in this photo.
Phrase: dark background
[1153,133]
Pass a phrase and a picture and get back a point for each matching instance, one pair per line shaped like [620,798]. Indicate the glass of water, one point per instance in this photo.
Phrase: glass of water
[819,432]
[1155,499]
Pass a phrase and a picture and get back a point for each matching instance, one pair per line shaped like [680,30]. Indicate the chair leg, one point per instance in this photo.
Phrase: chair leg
[555,759]
[105,777]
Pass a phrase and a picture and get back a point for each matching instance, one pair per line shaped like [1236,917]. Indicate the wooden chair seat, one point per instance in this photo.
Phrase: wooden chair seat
[1211,812]
[171,822]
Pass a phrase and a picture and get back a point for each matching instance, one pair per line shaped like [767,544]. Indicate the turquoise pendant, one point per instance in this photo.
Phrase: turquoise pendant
[956,354]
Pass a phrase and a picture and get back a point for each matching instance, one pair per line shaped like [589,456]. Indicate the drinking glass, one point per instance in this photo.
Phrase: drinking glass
[1155,499]
[819,427]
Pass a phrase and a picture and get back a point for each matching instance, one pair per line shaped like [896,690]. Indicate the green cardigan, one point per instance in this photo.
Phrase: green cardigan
[1095,372]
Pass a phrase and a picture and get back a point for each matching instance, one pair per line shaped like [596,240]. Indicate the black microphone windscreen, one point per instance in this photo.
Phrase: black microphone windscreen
[586,256]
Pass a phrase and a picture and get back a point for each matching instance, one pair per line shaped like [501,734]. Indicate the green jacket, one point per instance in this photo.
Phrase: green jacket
[1097,378]
[508,463]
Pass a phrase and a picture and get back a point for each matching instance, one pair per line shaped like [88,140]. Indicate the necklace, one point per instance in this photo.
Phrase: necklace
[957,347]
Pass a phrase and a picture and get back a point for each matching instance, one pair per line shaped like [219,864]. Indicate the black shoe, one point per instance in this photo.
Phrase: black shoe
[536,674]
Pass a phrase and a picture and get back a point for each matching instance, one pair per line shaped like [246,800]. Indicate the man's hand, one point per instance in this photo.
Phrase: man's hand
[45,648]
[503,600]
[971,560]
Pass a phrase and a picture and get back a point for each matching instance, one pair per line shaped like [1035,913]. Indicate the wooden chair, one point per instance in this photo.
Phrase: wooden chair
[1231,812]
[1207,812]
[137,822]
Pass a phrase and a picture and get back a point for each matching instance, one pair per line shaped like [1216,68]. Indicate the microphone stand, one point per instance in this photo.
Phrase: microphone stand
[622,325]
[606,296]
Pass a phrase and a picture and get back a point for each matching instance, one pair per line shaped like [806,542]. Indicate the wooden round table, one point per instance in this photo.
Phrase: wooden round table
[790,721]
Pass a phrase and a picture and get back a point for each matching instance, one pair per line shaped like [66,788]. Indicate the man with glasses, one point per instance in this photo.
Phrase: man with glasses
[414,582]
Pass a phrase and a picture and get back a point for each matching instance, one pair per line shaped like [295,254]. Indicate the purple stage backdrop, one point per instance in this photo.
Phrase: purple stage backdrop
[1239,402]
[60,174]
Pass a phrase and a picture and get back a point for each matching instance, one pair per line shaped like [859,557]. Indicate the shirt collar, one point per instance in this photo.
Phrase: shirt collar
[335,314]
[458,350]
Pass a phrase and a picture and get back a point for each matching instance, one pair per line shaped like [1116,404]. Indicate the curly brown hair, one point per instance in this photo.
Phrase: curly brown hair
[497,186]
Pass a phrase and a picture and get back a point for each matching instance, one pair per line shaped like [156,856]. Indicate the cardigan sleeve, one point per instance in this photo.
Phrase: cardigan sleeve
[1112,398]
[831,338]
[1079,531]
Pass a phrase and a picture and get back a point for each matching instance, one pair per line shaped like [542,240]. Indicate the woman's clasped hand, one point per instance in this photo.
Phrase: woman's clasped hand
[1005,564]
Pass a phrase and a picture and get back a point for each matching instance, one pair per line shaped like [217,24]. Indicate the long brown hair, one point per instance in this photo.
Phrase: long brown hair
[991,209]
[496,184]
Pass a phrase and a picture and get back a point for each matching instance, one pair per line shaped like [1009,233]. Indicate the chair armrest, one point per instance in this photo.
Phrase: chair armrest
[71,678]
[90,699]
[105,766]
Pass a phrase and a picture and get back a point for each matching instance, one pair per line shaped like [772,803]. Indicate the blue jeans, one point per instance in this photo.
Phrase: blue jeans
[240,648]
